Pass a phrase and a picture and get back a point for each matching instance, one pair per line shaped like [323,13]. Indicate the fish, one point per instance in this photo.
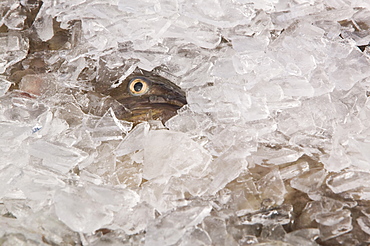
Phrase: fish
[142,96]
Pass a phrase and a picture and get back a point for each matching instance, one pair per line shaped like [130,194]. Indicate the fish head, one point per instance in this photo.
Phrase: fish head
[145,96]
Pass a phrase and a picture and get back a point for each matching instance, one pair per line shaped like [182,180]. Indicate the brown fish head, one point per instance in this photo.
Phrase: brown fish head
[145,96]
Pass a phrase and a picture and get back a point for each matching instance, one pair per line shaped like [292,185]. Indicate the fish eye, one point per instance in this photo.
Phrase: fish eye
[138,87]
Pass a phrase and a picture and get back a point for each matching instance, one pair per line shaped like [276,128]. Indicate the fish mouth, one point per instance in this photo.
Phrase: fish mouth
[156,108]
[162,113]
[174,101]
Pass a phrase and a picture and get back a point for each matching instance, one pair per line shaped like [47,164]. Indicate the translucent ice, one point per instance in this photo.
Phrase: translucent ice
[334,224]
[276,123]
[134,141]
[226,168]
[166,155]
[71,207]
[348,181]
[170,227]
[272,187]
[307,236]
[13,48]
[14,18]
[56,156]
[44,23]
[277,215]
[195,237]
[309,182]
[4,86]
[332,218]
[216,228]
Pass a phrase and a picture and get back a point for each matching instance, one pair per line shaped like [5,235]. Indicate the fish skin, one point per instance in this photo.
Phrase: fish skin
[160,102]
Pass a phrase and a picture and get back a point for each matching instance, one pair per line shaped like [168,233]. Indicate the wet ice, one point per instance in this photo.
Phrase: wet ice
[276,121]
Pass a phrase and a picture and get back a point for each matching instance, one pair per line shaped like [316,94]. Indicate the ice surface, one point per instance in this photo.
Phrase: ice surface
[166,230]
[273,216]
[272,148]
[309,182]
[13,48]
[306,236]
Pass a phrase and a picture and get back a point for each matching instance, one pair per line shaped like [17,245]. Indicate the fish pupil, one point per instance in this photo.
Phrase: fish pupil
[138,86]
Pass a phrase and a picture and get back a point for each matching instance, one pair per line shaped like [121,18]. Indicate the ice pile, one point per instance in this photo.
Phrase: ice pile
[272,148]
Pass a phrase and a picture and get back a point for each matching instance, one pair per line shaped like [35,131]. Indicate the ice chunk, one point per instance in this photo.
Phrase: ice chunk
[107,127]
[275,156]
[348,180]
[88,209]
[301,61]
[195,237]
[222,13]
[4,86]
[56,156]
[306,236]
[273,232]
[364,223]
[272,187]
[225,168]
[278,215]
[9,175]
[14,19]
[134,220]
[38,85]
[12,135]
[242,195]
[166,155]
[134,140]
[334,224]
[171,227]
[39,186]
[228,102]
[334,220]
[310,182]
[354,70]
[294,170]
[73,209]
[294,86]
[249,44]
[224,68]
[13,48]
[216,229]
[44,23]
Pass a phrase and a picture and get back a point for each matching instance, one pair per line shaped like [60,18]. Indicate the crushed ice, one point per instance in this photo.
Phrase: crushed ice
[272,147]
